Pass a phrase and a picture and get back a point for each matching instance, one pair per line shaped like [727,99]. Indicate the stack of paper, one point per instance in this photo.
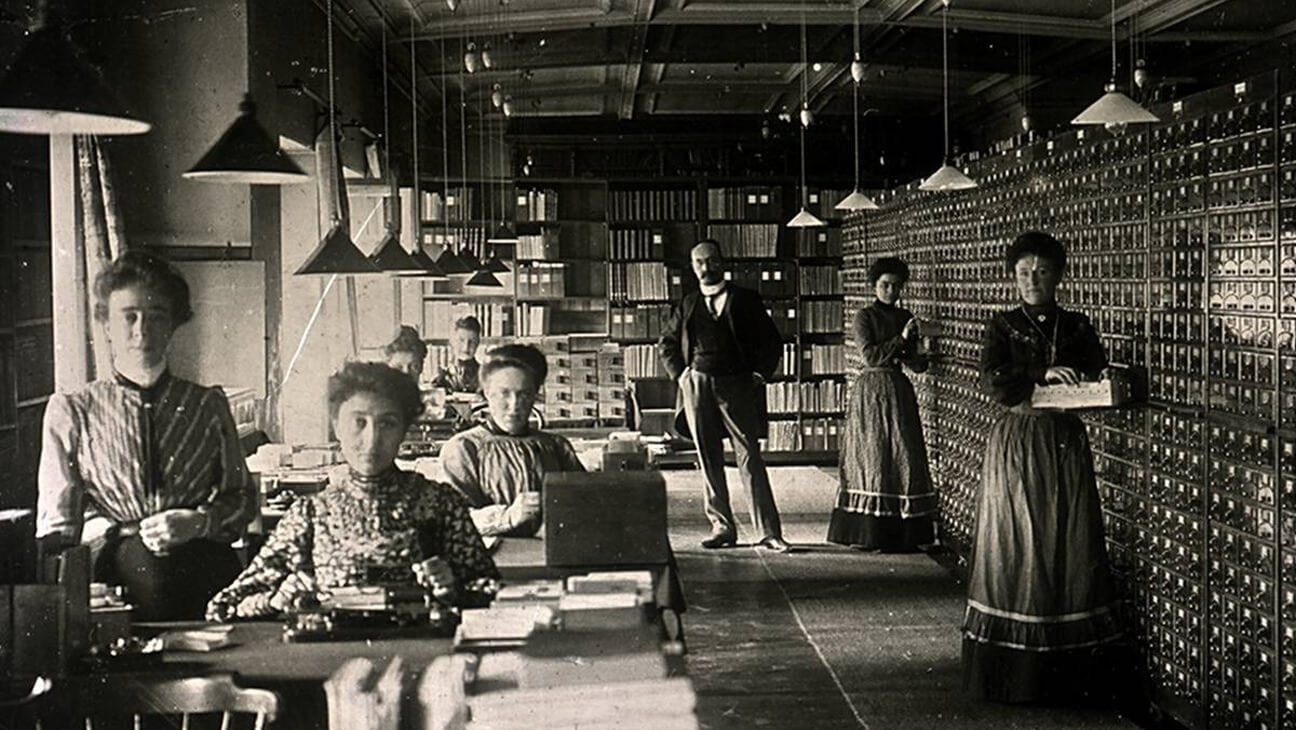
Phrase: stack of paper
[206,638]
[502,625]
[662,704]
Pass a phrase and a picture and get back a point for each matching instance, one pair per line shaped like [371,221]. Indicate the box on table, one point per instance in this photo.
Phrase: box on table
[605,518]
[1104,393]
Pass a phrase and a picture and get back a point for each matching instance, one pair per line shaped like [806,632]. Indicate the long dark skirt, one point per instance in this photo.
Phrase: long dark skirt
[886,499]
[172,587]
[1040,600]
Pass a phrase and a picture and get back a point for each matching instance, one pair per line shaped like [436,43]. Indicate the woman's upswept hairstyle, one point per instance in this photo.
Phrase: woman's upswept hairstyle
[888,265]
[1039,244]
[376,378]
[147,271]
[524,357]
[407,339]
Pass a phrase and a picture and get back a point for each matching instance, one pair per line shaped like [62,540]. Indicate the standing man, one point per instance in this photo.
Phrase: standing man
[720,345]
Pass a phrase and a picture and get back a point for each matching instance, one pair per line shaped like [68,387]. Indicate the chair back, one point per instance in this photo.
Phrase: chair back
[140,696]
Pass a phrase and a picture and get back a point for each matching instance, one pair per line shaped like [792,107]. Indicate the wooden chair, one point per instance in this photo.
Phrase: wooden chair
[139,696]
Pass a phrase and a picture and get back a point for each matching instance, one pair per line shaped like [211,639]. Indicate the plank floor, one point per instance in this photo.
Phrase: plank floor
[832,638]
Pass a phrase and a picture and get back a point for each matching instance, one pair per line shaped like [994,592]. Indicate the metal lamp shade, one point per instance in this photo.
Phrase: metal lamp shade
[1115,108]
[805,219]
[503,234]
[857,201]
[246,154]
[52,89]
[336,254]
[428,267]
[451,264]
[947,178]
[485,280]
[391,257]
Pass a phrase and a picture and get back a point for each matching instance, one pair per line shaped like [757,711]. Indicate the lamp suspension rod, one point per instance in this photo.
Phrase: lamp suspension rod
[418,190]
[1113,35]
[386,138]
[805,71]
[945,72]
[855,99]
[333,140]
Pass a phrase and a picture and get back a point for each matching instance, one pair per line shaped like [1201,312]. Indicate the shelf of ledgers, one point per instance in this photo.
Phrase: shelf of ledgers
[650,227]
[1181,239]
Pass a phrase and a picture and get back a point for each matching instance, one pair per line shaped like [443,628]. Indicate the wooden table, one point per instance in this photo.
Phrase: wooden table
[259,658]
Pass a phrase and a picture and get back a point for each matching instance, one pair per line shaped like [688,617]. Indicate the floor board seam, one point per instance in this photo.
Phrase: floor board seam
[841,689]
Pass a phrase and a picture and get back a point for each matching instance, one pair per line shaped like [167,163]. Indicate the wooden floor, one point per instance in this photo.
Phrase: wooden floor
[832,638]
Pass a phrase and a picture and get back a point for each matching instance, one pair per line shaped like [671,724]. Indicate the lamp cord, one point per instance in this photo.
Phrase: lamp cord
[418,188]
[805,71]
[945,72]
[333,140]
[463,140]
[855,100]
[1113,35]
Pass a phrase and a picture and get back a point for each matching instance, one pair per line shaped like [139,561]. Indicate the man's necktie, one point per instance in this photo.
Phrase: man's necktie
[711,305]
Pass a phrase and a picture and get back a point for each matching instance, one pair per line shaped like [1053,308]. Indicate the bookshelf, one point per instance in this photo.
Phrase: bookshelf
[26,312]
[611,258]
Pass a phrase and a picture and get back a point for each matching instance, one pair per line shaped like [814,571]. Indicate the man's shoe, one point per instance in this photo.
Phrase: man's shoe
[720,540]
[776,544]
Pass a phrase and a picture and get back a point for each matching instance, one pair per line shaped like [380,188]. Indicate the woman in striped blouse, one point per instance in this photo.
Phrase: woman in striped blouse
[144,466]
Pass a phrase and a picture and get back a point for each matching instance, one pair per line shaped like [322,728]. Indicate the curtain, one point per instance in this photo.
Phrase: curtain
[99,239]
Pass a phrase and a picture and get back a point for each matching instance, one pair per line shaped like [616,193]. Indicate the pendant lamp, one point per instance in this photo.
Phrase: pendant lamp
[857,200]
[52,89]
[1114,110]
[391,256]
[948,177]
[336,253]
[804,218]
[451,264]
[246,154]
[484,279]
[426,268]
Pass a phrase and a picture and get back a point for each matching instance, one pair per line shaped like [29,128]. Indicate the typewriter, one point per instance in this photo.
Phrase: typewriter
[372,610]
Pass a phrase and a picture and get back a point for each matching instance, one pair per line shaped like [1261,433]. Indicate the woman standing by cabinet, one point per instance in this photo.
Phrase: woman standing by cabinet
[1040,601]
[885,500]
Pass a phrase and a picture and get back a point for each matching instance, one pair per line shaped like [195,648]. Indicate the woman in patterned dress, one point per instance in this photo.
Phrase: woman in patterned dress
[500,464]
[372,522]
[1040,601]
[145,467]
[885,500]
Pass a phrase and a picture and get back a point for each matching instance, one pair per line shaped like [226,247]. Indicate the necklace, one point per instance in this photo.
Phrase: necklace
[1049,342]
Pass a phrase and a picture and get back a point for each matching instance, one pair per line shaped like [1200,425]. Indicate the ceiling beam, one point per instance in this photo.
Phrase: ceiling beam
[643,13]
[748,13]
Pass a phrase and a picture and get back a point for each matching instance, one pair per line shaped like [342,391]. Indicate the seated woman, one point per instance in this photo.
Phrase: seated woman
[500,464]
[143,466]
[372,518]
[462,376]
[406,352]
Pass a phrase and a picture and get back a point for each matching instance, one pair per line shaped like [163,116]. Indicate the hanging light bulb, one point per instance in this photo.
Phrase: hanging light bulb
[1114,110]
[497,96]
[470,58]
[507,106]
[804,218]
[487,59]
[1140,73]
[947,177]
[857,200]
[452,4]
[1026,123]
